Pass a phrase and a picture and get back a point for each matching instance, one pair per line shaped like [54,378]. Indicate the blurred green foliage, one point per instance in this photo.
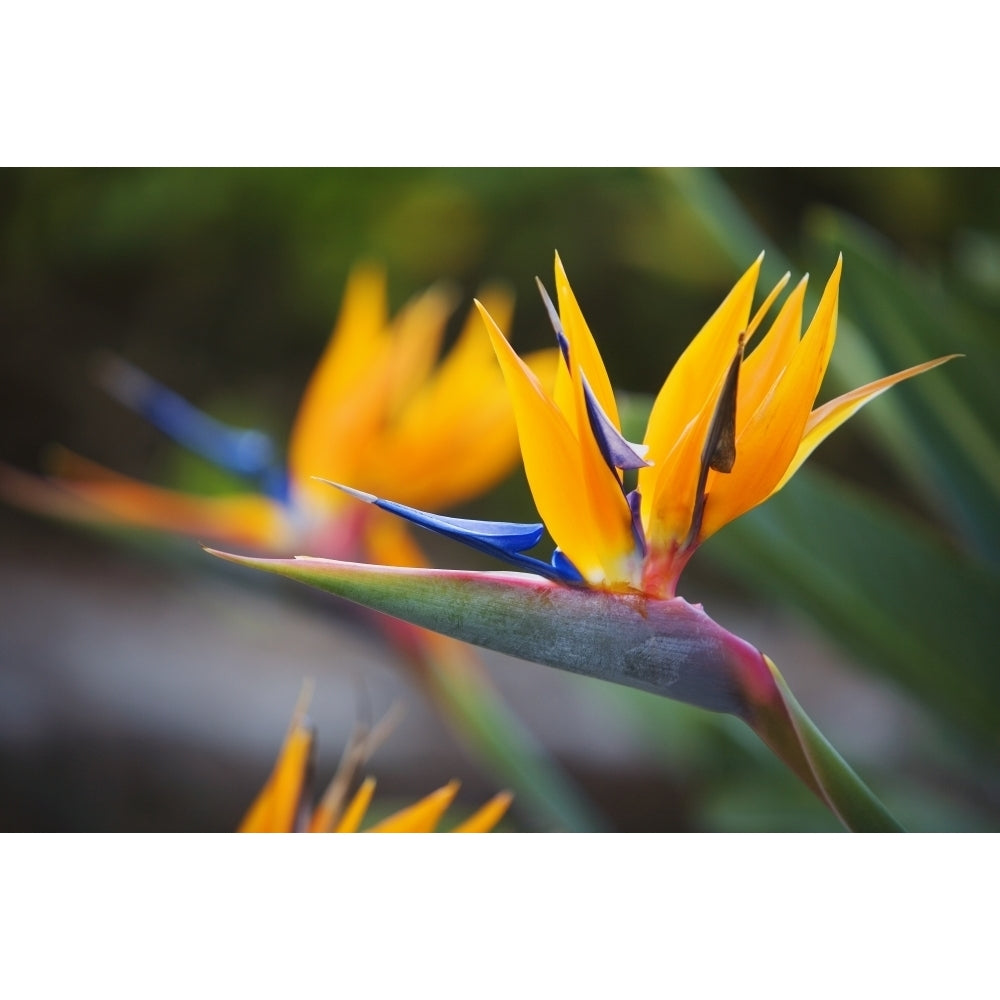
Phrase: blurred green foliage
[225,282]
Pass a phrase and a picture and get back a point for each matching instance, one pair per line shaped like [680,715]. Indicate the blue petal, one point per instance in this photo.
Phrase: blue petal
[247,453]
[617,452]
[275,483]
[507,536]
[505,540]
[568,572]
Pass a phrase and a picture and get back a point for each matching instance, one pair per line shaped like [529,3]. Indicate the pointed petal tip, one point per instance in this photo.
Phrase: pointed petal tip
[554,319]
[488,816]
[492,328]
[560,268]
[349,490]
[616,450]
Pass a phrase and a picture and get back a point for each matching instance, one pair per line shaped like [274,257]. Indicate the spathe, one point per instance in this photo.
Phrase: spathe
[667,647]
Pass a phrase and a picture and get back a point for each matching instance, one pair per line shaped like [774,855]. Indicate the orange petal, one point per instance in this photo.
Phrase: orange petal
[423,816]
[824,420]
[355,342]
[459,374]
[604,497]
[342,424]
[486,818]
[583,354]
[681,415]
[699,368]
[588,523]
[445,465]
[354,814]
[765,307]
[353,422]
[764,365]
[40,496]
[606,503]
[768,443]
[417,332]
[457,436]
[278,807]
[245,519]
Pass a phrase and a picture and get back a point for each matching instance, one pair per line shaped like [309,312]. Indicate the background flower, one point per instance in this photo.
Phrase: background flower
[287,802]
[376,409]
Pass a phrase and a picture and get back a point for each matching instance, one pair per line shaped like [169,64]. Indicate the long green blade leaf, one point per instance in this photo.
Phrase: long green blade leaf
[952,444]
[896,596]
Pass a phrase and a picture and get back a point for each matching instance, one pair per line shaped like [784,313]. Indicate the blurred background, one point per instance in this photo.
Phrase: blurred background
[145,686]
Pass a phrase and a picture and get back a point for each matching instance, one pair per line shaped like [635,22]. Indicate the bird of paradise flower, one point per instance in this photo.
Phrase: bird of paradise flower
[723,435]
[284,804]
[377,411]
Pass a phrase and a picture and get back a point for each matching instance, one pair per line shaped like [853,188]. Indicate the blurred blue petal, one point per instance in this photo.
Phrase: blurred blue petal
[244,452]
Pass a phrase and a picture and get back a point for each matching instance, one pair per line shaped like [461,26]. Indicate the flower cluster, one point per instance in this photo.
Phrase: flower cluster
[284,804]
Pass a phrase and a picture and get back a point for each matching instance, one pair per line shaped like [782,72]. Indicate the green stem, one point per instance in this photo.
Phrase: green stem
[780,721]
[497,737]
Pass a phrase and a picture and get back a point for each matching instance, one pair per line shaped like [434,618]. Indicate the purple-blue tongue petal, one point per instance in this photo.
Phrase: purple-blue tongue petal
[617,452]
[555,321]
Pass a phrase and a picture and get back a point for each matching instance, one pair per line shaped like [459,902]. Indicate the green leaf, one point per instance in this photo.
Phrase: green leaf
[950,446]
[730,779]
[502,743]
